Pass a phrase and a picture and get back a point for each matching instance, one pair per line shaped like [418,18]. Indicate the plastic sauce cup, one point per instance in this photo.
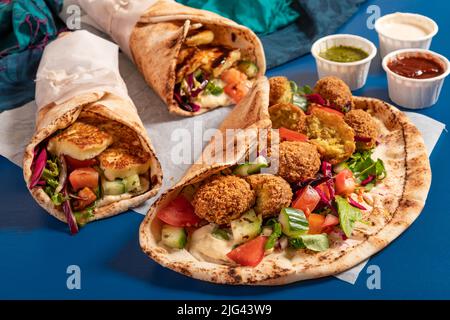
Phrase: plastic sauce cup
[413,93]
[404,30]
[354,74]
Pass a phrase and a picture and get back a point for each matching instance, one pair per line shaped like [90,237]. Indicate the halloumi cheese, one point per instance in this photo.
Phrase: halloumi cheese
[122,160]
[80,141]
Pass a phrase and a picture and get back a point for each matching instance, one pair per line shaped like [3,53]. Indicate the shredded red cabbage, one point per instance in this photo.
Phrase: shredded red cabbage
[71,221]
[355,204]
[367,180]
[325,201]
[327,172]
[315,98]
[38,168]
[202,87]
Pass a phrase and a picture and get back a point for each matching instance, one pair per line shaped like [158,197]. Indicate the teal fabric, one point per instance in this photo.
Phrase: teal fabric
[26,26]
[262,16]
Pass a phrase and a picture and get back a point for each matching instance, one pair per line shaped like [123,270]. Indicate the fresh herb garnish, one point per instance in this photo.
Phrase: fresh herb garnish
[363,167]
[50,176]
[214,89]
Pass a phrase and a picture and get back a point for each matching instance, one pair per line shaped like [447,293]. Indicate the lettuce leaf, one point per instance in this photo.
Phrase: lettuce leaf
[348,215]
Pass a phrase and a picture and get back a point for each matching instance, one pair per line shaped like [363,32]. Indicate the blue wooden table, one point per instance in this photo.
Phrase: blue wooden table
[36,249]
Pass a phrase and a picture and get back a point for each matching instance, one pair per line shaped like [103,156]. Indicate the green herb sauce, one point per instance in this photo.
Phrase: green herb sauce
[343,54]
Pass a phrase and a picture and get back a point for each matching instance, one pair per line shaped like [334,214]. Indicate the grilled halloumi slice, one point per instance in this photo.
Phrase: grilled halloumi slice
[123,160]
[203,57]
[80,141]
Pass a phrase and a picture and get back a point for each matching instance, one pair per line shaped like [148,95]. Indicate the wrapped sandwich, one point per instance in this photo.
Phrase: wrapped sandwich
[195,60]
[90,156]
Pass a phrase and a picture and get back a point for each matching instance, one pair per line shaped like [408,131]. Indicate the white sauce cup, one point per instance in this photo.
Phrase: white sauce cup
[415,93]
[354,74]
[404,30]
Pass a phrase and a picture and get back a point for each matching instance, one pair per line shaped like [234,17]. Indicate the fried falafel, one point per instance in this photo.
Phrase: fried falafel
[288,116]
[273,193]
[298,161]
[333,138]
[335,92]
[223,199]
[365,128]
[280,90]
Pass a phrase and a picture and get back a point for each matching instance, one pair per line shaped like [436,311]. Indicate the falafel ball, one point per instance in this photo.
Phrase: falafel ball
[273,193]
[365,128]
[280,90]
[223,199]
[334,139]
[335,92]
[298,161]
[288,116]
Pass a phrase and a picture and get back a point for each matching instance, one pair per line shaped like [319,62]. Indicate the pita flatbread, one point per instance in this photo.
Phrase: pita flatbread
[396,203]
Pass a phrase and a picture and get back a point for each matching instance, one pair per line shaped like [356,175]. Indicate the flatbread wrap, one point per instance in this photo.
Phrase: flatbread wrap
[90,156]
[195,60]
[352,174]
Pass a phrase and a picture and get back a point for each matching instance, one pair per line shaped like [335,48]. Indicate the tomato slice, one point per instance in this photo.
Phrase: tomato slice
[315,223]
[87,197]
[324,188]
[330,110]
[76,164]
[233,76]
[345,184]
[250,253]
[179,213]
[83,177]
[291,135]
[306,200]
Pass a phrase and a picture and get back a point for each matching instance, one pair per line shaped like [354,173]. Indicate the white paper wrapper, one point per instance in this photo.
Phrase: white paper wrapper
[116,18]
[68,69]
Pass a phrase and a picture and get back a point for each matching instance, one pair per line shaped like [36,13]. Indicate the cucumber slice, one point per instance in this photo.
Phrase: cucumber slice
[248,67]
[246,227]
[248,168]
[293,222]
[113,188]
[132,183]
[173,237]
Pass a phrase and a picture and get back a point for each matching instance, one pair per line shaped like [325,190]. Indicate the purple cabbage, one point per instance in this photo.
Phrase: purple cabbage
[38,168]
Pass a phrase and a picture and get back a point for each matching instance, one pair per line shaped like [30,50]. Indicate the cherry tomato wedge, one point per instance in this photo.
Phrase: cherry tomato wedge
[315,223]
[330,110]
[76,164]
[250,253]
[86,197]
[83,177]
[306,200]
[291,135]
[179,213]
[345,184]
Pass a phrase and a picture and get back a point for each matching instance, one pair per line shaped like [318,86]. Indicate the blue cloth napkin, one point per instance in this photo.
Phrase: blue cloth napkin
[26,26]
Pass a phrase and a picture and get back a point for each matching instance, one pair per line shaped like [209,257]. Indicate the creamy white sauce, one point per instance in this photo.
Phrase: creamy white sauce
[403,30]
[206,247]
[209,101]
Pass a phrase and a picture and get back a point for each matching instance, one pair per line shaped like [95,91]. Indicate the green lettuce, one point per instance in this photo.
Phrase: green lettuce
[348,215]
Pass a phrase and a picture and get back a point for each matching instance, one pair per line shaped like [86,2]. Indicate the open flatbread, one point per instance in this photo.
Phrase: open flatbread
[391,206]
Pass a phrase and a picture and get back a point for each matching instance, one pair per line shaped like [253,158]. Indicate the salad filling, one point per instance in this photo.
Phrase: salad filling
[210,75]
[92,163]
[315,198]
